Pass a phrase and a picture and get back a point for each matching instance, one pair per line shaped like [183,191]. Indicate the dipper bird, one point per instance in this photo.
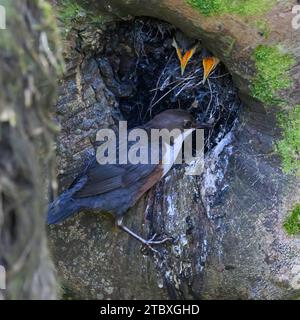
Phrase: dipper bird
[114,188]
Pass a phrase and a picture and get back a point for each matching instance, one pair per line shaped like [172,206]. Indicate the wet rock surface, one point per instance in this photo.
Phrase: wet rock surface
[227,224]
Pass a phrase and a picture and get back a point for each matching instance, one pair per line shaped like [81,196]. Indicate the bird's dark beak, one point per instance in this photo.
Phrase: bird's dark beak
[201,125]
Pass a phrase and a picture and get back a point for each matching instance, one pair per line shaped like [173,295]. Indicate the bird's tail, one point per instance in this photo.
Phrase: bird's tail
[65,205]
[60,209]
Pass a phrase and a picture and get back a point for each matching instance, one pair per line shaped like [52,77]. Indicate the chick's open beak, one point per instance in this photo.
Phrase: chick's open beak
[209,64]
[184,59]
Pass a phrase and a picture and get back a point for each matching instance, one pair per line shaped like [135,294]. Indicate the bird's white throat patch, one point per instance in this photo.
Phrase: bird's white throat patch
[154,146]
[172,151]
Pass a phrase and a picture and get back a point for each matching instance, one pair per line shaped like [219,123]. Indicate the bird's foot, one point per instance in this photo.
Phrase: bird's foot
[147,243]
[152,242]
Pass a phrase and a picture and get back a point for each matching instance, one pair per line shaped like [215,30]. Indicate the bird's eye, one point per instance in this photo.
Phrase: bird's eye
[187,124]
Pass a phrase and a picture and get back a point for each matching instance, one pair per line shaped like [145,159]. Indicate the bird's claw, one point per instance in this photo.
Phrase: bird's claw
[151,242]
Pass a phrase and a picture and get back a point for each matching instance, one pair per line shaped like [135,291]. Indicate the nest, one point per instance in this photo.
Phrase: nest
[145,66]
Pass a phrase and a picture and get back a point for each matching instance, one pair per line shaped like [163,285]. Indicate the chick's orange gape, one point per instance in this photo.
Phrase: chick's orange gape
[184,59]
[209,63]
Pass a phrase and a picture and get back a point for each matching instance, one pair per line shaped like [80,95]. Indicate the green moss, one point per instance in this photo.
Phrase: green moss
[70,13]
[272,67]
[263,27]
[289,146]
[241,7]
[229,44]
[73,16]
[292,222]
[6,37]
[48,24]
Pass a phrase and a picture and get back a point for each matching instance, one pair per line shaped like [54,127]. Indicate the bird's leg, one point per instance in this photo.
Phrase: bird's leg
[147,243]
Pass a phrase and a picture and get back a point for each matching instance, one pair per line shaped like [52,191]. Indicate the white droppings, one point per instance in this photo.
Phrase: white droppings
[222,144]
[215,169]
[171,206]
[183,240]
[109,290]
[167,178]
[204,254]
[160,283]
[168,275]
[295,281]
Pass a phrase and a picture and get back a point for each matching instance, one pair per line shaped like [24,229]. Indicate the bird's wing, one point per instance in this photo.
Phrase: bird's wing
[105,178]
[109,177]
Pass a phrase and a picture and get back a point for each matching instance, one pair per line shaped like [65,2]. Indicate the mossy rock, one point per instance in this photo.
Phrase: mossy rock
[292,222]
[219,7]
[242,249]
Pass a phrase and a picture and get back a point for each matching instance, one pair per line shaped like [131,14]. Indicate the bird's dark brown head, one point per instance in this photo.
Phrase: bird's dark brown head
[174,119]
[184,42]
